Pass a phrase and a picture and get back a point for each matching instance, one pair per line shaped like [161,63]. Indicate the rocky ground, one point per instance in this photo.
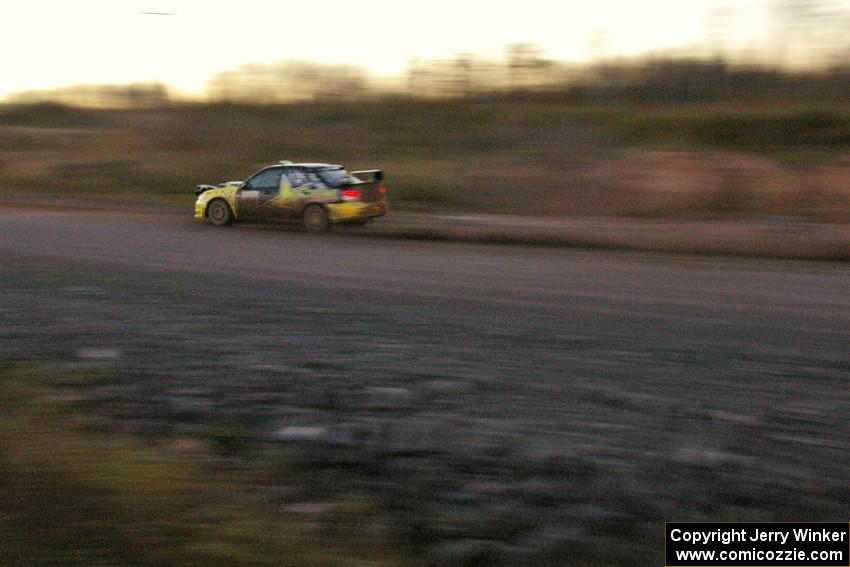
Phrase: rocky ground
[484,433]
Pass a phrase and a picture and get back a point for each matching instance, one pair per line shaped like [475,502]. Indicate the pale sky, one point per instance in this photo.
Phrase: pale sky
[49,43]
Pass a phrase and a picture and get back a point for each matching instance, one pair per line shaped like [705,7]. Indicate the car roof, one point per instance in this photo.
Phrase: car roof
[314,165]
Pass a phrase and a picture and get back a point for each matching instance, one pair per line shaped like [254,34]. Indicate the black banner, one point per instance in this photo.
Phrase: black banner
[757,544]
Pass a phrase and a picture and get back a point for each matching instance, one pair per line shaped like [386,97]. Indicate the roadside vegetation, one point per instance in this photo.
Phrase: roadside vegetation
[519,156]
[72,492]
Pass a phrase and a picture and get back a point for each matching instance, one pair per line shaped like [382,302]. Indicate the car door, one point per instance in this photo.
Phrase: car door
[257,197]
[308,187]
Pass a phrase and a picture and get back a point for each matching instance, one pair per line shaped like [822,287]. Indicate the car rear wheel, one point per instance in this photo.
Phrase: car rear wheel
[315,219]
[218,212]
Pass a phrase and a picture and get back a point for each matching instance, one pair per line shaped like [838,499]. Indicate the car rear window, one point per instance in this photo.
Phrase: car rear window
[337,177]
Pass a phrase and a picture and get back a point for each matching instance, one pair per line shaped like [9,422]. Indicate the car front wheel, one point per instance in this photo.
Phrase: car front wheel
[315,219]
[218,212]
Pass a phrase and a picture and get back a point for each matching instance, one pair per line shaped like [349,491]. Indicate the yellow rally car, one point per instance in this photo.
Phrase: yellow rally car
[318,194]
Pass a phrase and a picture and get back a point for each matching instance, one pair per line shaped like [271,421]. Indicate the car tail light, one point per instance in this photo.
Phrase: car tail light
[350,195]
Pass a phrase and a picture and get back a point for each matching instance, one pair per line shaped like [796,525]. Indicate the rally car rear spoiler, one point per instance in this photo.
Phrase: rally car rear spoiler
[376,174]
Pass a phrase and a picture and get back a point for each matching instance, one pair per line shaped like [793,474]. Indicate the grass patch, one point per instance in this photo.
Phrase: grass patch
[72,498]
[766,131]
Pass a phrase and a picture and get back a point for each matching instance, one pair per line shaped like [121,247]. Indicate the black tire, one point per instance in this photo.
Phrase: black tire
[315,219]
[219,213]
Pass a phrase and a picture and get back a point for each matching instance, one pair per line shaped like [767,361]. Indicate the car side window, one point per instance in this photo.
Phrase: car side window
[316,181]
[297,178]
[266,180]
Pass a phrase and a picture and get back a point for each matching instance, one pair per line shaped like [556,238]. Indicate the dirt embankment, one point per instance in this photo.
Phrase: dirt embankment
[720,185]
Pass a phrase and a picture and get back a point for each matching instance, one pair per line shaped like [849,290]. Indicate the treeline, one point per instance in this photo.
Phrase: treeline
[524,74]
[651,81]
[655,81]
[136,95]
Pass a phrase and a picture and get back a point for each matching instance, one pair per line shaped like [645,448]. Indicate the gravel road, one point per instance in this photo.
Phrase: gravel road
[506,405]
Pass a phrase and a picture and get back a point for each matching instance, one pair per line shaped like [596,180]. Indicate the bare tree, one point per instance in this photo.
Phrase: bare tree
[808,33]
[526,66]
[288,81]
